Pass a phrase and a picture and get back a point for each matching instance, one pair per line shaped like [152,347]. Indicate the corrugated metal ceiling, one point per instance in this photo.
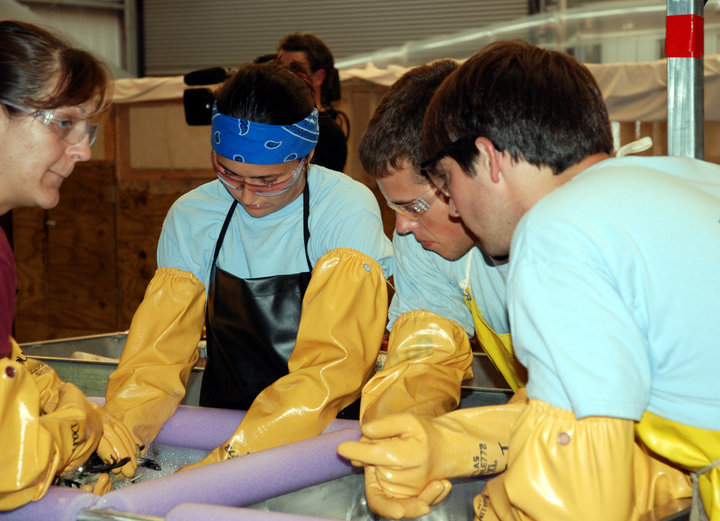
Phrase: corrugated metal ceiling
[184,35]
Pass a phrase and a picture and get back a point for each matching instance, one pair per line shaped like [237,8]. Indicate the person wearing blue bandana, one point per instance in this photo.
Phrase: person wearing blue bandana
[284,262]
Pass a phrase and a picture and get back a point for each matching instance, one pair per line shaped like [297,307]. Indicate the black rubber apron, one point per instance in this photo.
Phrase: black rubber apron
[251,327]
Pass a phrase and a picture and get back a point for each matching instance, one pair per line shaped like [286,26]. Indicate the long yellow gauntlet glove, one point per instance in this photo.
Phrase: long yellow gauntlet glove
[413,456]
[47,427]
[160,351]
[562,468]
[428,358]
[341,328]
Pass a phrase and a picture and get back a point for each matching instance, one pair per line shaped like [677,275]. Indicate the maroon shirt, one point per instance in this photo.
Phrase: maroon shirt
[8,286]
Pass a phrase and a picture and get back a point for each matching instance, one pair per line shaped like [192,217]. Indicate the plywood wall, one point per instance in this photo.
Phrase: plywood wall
[66,259]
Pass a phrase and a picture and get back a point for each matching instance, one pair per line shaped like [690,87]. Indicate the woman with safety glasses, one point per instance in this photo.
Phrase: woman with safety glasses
[49,91]
[283,260]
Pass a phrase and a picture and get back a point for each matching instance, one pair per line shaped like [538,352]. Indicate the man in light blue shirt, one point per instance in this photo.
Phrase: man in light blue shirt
[613,295]
[446,290]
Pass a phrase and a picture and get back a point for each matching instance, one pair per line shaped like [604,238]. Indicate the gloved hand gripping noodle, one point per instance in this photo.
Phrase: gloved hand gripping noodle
[341,328]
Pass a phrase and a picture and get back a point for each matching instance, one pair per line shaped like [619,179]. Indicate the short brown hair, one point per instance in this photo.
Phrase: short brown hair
[544,107]
[394,134]
[319,55]
[43,71]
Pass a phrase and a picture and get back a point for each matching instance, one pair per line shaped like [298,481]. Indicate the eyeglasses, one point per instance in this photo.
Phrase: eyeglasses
[415,208]
[71,129]
[268,189]
[437,175]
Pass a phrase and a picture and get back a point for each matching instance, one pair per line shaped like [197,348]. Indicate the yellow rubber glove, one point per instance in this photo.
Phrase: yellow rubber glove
[340,332]
[160,351]
[47,427]
[410,453]
[561,468]
[400,508]
[428,358]
[102,486]
[116,444]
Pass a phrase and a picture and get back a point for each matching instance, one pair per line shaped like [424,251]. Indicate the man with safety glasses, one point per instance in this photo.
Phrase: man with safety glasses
[446,290]
[612,297]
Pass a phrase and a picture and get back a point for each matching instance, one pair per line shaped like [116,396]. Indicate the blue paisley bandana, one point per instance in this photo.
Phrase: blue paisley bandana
[262,144]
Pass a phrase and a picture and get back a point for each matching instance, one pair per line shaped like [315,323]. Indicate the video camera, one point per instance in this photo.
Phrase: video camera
[198,102]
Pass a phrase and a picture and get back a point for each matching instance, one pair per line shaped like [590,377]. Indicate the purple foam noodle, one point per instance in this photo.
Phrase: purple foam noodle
[241,481]
[195,511]
[58,503]
[193,427]
[202,428]
[205,428]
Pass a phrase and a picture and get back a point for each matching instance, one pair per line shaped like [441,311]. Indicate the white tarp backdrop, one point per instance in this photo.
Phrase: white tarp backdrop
[632,91]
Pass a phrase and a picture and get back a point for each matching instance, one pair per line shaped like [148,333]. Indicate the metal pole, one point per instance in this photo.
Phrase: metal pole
[684,47]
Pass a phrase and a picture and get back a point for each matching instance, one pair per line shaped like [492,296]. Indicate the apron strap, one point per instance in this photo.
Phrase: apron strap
[306,217]
[221,237]
[697,511]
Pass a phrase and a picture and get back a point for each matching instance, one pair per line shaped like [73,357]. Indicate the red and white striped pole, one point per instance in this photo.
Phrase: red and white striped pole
[684,48]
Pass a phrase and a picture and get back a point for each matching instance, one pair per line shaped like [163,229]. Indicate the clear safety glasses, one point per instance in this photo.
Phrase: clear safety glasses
[415,208]
[437,175]
[71,129]
[273,185]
